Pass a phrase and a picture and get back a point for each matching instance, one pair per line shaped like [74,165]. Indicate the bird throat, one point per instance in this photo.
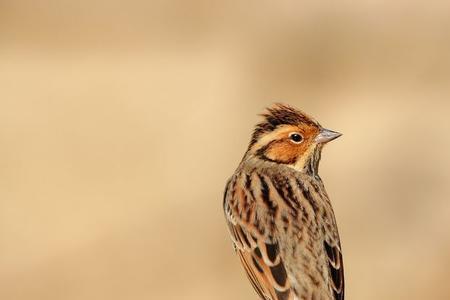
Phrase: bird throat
[309,161]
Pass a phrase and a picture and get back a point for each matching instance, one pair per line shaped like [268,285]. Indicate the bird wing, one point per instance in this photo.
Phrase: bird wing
[262,264]
[259,254]
[336,269]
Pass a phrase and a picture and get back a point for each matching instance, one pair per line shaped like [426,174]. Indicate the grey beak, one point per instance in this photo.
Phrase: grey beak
[326,136]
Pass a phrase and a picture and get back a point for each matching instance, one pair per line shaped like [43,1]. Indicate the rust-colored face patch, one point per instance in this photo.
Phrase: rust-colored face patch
[280,146]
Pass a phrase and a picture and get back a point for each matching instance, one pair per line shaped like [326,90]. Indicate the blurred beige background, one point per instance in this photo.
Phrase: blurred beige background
[120,122]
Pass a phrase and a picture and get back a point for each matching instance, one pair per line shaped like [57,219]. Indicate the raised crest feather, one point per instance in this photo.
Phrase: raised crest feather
[280,114]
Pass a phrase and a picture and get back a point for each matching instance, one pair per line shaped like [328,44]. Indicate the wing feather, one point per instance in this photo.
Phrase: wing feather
[336,270]
[262,264]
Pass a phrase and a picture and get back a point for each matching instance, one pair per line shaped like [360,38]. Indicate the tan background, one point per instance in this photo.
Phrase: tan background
[120,122]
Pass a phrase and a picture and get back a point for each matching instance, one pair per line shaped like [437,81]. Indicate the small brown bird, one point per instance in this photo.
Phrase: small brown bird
[278,212]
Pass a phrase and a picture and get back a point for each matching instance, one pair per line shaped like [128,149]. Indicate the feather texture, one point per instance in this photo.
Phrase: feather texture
[278,212]
[288,244]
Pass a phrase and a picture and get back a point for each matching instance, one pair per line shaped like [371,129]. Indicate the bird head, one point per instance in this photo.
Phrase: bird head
[289,136]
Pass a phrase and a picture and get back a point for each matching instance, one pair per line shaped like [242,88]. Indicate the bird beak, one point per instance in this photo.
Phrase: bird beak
[326,136]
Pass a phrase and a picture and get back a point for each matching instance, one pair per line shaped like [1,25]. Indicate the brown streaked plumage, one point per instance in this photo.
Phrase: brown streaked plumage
[278,212]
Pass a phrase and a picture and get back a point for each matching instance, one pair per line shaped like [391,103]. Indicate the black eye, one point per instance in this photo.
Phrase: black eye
[296,137]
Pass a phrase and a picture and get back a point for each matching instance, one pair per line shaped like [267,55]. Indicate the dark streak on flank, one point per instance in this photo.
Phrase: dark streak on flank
[265,195]
[248,186]
[261,229]
[248,181]
[285,196]
[245,205]
[307,195]
[291,195]
[285,223]
[248,215]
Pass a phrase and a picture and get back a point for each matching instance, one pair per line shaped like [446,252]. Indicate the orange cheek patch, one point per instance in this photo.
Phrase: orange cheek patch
[284,151]
[281,149]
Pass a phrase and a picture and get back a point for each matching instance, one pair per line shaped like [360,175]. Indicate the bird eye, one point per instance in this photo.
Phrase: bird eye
[296,137]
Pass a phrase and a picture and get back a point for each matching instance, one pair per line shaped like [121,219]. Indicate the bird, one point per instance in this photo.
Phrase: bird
[279,216]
